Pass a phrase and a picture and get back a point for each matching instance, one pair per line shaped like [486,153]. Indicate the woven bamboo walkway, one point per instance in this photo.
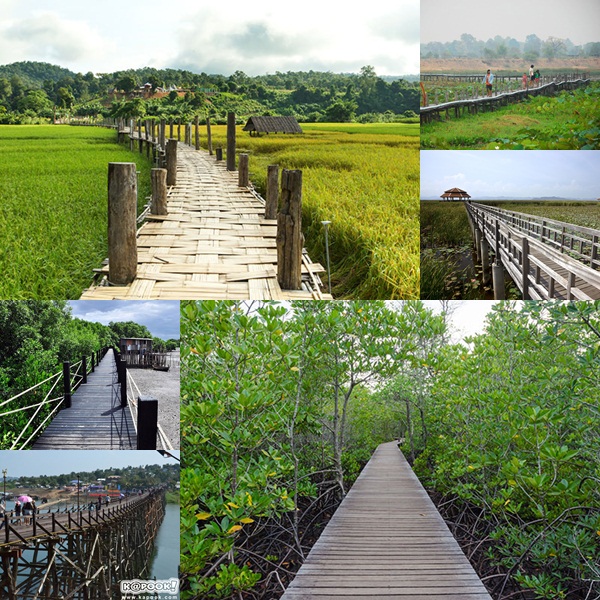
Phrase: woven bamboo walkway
[213,244]
[386,540]
[95,420]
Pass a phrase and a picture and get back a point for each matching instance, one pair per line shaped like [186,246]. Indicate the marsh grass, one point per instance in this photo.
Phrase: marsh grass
[53,193]
[365,180]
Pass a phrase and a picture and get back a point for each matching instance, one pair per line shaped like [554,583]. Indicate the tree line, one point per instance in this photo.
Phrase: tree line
[36,336]
[282,405]
[530,49]
[31,90]
[129,477]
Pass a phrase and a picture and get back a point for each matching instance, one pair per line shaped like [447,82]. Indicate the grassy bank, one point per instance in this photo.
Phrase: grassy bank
[53,223]
[365,180]
[566,121]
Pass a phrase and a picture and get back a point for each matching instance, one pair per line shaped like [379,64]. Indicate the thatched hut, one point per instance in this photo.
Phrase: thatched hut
[455,194]
[258,125]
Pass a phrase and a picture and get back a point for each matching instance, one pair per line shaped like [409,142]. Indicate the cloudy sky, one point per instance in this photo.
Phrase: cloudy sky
[444,21]
[57,462]
[511,174]
[256,37]
[161,317]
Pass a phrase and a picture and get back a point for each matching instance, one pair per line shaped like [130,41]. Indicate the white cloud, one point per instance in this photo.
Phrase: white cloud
[48,37]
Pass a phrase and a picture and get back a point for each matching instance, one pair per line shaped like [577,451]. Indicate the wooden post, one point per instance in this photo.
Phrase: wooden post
[93,357]
[171,128]
[67,383]
[219,153]
[162,132]
[178,130]
[123,382]
[272,199]
[147,423]
[498,280]
[140,139]
[289,231]
[243,175]
[525,268]
[84,369]
[122,213]
[485,260]
[171,162]
[478,243]
[231,141]
[209,136]
[197,131]
[159,191]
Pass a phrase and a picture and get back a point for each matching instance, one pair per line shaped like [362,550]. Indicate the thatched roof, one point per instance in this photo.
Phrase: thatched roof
[455,194]
[272,125]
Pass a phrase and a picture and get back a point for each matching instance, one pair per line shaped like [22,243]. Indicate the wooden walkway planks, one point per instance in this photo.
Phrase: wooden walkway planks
[213,244]
[386,540]
[95,419]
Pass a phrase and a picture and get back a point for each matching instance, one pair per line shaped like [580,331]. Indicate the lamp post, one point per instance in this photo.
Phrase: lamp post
[77,492]
[4,471]
[326,226]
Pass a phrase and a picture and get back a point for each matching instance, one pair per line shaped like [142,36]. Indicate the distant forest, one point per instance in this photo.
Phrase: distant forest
[130,477]
[508,47]
[31,91]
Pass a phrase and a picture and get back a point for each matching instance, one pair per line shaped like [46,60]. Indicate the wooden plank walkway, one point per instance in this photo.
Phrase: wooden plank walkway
[214,243]
[95,420]
[386,540]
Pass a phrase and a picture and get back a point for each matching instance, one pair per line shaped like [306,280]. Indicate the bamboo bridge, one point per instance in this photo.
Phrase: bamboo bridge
[386,541]
[213,236]
[80,555]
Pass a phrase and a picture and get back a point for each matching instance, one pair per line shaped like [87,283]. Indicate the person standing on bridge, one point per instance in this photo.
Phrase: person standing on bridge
[489,80]
[531,75]
[18,507]
[2,515]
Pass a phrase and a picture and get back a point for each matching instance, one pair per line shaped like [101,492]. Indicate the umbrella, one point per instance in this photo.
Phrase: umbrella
[24,499]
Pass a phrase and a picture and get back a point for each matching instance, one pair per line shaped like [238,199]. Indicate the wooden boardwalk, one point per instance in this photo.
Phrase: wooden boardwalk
[546,259]
[386,540]
[95,420]
[214,243]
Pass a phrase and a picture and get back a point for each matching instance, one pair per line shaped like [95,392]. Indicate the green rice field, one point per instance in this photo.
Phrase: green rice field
[53,222]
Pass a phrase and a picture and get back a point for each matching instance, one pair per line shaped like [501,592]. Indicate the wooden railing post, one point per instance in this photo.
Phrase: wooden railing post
[289,231]
[84,369]
[67,383]
[123,383]
[147,423]
[162,132]
[485,260]
[243,172]
[272,198]
[159,191]
[525,267]
[209,136]
[171,161]
[231,141]
[122,226]
[93,359]
[197,131]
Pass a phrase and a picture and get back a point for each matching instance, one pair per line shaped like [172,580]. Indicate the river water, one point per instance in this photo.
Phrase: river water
[166,560]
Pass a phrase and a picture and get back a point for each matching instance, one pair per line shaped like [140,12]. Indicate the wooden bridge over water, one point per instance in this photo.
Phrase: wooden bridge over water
[214,241]
[386,541]
[80,555]
[546,259]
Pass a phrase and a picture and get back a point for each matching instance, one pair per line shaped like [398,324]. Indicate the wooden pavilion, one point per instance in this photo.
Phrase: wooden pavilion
[258,125]
[455,194]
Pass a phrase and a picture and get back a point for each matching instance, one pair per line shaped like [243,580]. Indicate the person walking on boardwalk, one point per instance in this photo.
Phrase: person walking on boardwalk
[531,75]
[2,515]
[18,507]
[489,80]
[524,80]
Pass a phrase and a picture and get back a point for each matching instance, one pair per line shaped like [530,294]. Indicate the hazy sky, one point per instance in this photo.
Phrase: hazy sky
[213,37]
[161,317]
[511,174]
[444,21]
[32,463]
[468,317]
